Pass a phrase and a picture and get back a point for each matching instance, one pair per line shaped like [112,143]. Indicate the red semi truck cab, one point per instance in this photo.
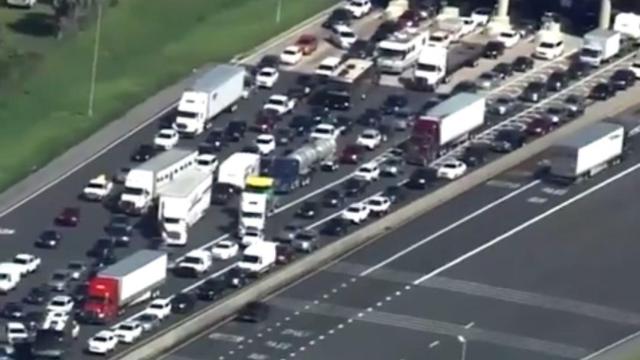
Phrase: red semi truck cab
[422,146]
[130,281]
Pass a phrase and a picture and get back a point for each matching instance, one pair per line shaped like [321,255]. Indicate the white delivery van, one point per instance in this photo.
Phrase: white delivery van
[10,275]
[258,258]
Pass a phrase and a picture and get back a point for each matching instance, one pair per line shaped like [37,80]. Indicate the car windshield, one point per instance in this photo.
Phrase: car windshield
[322,130]
[276,101]
[251,215]
[365,170]
[263,141]
[547,45]
[204,162]
[251,233]
[347,34]
[266,73]
[192,260]
[165,135]
[251,259]
[127,327]
[224,246]
[96,186]
[290,52]
[21,261]
[58,276]
[305,237]
[58,302]
[156,306]
[507,35]
[450,165]
[375,202]
[99,339]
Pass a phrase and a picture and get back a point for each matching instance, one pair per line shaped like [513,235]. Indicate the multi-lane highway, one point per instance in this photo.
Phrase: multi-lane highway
[37,214]
[516,268]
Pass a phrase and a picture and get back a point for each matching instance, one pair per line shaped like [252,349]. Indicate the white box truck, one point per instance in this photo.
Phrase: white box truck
[182,203]
[217,90]
[444,126]
[599,46]
[258,258]
[628,24]
[10,275]
[437,64]
[130,281]
[237,167]
[143,182]
[586,153]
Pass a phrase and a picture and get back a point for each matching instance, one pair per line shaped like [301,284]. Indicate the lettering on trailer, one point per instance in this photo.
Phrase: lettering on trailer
[278,345]
[7,231]
[296,333]
[226,337]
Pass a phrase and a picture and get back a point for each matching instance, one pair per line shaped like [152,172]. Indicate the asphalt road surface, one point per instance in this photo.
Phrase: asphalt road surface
[517,267]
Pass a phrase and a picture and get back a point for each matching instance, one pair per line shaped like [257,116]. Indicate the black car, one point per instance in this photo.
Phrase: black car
[284,136]
[578,69]
[102,247]
[308,83]
[534,92]
[336,226]
[493,49]
[575,105]
[211,289]
[48,239]
[522,64]
[37,295]
[215,139]
[235,130]
[602,91]
[355,187]
[32,320]
[221,193]
[623,79]
[556,81]
[332,199]
[361,49]
[284,254]
[320,113]
[143,153]
[503,70]
[465,86]
[302,124]
[384,30]
[394,104]
[267,61]
[79,293]
[475,154]
[507,140]
[254,312]
[394,193]
[421,178]
[370,118]
[236,277]
[308,210]
[182,303]
[332,99]
[12,311]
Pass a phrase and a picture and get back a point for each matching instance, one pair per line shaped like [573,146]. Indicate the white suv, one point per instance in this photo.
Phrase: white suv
[343,36]
[356,213]
[359,8]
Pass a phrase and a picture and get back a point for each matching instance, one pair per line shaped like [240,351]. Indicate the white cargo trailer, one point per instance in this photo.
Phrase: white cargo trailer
[217,90]
[587,152]
[600,46]
[237,167]
[454,118]
[143,182]
[182,203]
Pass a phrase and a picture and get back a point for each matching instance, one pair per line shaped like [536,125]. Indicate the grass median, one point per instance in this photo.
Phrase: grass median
[145,46]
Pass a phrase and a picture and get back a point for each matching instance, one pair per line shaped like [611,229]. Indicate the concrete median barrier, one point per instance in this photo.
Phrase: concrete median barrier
[203,320]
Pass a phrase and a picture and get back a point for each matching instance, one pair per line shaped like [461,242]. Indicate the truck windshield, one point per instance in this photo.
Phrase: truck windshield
[284,168]
[4,277]
[171,221]
[427,67]
[251,259]
[590,53]
[251,215]
[187,114]
[97,299]
[392,53]
[133,191]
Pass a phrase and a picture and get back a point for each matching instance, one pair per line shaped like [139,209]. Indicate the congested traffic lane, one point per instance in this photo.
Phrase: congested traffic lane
[511,300]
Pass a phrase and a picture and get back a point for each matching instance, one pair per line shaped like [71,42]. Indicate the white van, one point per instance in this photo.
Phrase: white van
[259,257]
[343,37]
[328,66]
[10,275]
[549,47]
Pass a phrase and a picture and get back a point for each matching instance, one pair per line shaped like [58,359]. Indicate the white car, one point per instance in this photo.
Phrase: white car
[160,308]
[98,188]
[635,68]
[207,162]
[251,236]
[379,205]
[325,131]
[267,77]
[266,143]
[16,332]
[328,66]
[291,55]
[103,342]
[166,139]
[225,250]
[452,169]
[358,8]
[509,38]
[468,25]
[343,36]
[281,104]
[198,260]
[482,16]
[368,172]
[128,332]
[356,213]
[370,138]
[440,38]
[27,263]
[60,304]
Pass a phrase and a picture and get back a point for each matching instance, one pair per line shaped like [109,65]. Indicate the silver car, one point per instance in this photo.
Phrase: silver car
[76,269]
[393,166]
[487,80]
[60,280]
[502,105]
[148,321]
[305,241]
[289,232]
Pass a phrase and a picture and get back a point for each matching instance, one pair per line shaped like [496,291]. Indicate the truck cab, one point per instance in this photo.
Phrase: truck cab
[432,66]
[256,203]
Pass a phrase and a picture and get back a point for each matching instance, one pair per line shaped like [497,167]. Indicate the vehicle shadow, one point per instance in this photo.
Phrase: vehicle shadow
[35,24]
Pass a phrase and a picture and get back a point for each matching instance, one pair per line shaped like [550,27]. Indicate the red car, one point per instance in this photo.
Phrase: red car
[266,121]
[409,18]
[69,216]
[539,126]
[307,43]
[352,154]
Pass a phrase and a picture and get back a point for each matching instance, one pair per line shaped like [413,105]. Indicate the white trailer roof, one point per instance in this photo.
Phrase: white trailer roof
[216,77]
[453,104]
[589,134]
[184,184]
[352,69]
[131,263]
[165,159]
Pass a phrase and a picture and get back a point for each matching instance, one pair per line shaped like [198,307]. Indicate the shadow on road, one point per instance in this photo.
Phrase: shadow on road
[35,24]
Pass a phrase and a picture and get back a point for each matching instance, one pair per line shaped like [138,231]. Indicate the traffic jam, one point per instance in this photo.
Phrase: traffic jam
[261,164]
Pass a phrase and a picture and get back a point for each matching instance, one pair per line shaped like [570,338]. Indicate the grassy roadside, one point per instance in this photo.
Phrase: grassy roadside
[144,47]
